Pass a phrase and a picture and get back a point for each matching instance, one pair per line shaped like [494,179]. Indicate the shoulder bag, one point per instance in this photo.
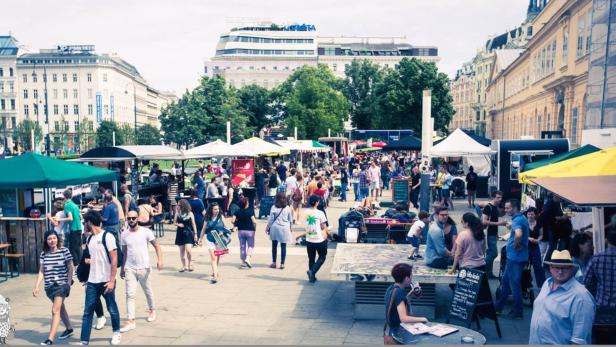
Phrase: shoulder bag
[389,340]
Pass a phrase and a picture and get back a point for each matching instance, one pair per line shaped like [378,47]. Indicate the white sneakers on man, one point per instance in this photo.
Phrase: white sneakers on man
[116,338]
[100,323]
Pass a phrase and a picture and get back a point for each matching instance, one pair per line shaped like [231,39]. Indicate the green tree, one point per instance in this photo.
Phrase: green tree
[398,98]
[362,77]
[104,134]
[85,134]
[128,134]
[201,115]
[310,99]
[148,135]
[255,102]
[22,135]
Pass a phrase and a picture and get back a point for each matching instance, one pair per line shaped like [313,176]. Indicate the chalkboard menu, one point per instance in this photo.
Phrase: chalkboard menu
[400,190]
[472,296]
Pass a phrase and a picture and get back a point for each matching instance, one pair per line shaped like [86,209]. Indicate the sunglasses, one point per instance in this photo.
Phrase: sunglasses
[132,218]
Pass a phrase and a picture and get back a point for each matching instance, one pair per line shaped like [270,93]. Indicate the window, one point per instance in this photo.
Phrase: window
[55,93]
[25,93]
[106,109]
[74,77]
[64,78]
[25,78]
[56,126]
[574,122]
[335,67]
[75,94]
[12,104]
[11,87]
[35,93]
[1,72]
[90,109]
[65,93]
[2,104]
[75,109]
[565,53]
[55,110]
[588,32]
[66,128]
[89,93]
[26,110]
[54,77]
[34,78]
[1,87]
[65,109]
[35,109]
[539,125]
[580,37]
[76,126]
[10,72]
[89,77]
[104,77]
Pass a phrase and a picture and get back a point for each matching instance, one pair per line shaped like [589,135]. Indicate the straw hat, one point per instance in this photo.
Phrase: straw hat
[561,258]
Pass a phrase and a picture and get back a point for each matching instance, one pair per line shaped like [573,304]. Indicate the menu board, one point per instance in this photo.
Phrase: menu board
[464,298]
[400,190]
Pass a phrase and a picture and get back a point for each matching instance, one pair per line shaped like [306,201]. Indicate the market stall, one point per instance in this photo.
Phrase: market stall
[409,143]
[257,147]
[216,148]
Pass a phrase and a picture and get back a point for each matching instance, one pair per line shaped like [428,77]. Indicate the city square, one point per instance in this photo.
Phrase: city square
[265,174]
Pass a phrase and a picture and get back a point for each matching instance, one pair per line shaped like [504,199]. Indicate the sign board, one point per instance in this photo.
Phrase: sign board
[243,171]
[471,296]
[99,108]
[400,190]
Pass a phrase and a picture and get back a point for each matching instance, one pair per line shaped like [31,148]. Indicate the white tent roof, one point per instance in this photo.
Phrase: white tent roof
[255,146]
[459,144]
[302,146]
[217,148]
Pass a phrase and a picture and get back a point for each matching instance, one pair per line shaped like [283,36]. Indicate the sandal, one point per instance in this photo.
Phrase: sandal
[182,269]
[272,265]
[190,268]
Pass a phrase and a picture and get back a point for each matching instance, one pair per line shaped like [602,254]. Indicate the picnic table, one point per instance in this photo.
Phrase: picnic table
[369,266]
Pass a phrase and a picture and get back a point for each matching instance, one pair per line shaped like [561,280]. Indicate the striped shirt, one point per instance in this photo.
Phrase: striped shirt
[55,268]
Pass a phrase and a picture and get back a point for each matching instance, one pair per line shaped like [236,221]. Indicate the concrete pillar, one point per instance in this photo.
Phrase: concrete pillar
[427,128]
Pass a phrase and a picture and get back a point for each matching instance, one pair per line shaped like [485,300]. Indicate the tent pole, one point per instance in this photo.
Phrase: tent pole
[598,230]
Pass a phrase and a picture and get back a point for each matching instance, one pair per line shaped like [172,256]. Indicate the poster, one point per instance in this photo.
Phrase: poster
[242,171]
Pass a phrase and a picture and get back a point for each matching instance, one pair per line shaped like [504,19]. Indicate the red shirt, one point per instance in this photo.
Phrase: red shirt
[319,192]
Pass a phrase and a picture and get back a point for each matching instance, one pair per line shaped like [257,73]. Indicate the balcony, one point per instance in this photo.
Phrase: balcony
[477,105]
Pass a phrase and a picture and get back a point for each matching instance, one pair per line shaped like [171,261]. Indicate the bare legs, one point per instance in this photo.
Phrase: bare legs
[58,312]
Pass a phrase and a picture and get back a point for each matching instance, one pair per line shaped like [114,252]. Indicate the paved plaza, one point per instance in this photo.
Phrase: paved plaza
[256,306]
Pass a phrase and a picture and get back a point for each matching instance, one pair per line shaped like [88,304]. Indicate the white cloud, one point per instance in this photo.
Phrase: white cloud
[168,40]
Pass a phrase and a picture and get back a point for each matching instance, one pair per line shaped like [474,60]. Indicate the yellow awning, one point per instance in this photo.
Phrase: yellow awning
[258,147]
[600,163]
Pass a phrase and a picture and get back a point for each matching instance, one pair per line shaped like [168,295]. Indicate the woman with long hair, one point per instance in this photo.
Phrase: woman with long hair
[213,221]
[279,228]
[470,244]
[297,197]
[581,251]
[245,224]
[397,301]
[535,236]
[56,270]
[185,234]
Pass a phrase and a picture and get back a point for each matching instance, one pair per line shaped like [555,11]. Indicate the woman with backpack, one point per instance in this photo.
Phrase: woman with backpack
[213,221]
[297,197]
[279,228]
[56,270]
[185,234]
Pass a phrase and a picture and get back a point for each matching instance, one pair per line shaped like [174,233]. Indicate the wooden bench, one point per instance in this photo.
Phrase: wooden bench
[13,266]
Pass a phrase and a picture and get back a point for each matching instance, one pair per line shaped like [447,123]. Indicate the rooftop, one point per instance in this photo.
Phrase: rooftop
[8,45]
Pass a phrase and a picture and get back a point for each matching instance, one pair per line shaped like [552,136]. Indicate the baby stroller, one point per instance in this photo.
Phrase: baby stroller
[527,280]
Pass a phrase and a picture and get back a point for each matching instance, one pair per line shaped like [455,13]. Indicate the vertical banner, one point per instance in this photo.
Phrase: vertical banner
[111,107]
[242,171]
[99,107]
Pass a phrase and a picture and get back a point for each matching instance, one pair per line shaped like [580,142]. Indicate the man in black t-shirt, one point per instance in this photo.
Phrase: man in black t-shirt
[344,182]
[489,217]
[415,186]
[471,186]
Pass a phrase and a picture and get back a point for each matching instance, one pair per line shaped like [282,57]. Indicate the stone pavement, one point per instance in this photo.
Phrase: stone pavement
[256,306]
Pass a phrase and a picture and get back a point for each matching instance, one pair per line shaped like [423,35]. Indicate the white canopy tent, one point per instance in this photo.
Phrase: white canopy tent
[304,146]
[217,148]
[459,144]
[255,146]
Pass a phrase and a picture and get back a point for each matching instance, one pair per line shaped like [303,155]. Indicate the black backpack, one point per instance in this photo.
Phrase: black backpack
[118,249]
[83,269]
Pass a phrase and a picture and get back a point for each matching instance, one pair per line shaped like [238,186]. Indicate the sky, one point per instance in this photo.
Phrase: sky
[169,40]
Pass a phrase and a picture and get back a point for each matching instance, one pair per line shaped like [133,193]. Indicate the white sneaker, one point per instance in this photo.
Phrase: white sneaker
[151,316]
[79,343]
[100,323]
[128,327]
[116,338]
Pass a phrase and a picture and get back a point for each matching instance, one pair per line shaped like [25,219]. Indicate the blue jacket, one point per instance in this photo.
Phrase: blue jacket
[435,243]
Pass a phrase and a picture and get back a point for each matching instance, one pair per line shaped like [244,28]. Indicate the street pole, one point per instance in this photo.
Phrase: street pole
[46,110]
[135,109]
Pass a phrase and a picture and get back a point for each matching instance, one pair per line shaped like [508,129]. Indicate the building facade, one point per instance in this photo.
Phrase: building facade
[266,54]
[462,89]
[78,86]
[542,92]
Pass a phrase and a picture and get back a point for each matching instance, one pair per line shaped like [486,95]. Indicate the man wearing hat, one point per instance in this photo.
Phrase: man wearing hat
[564,311]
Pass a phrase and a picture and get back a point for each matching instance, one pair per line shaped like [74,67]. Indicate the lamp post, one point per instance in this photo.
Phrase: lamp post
[47,140]
[134,104]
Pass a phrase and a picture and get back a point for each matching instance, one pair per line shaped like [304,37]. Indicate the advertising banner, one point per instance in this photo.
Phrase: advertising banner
[242,172]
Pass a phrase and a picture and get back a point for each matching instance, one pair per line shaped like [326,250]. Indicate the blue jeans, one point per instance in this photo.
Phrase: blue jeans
[283,251]
[343,188]
[364,193]
[356,191]
[247,243]
[385,179]
[511,283]
[491,253]
[93,294]
[535,260]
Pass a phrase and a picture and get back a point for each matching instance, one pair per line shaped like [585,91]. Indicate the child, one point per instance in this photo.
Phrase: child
[414,235]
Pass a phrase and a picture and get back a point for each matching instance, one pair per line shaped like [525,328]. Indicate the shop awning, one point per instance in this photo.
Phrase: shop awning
[121,153]
[599,163]
[587,149]
[217,148]
[597,191]
[459,144]
[32,170]
[409,143]
[255,146]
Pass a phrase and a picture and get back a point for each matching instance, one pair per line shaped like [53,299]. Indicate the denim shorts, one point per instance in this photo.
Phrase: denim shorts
[61,290]
[413,240]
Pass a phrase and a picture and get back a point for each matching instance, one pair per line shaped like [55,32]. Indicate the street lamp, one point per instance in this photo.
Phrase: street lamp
[47,141]
[134,103]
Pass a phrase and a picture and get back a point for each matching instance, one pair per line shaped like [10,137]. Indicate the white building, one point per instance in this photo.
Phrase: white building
[266,54]
[9,51]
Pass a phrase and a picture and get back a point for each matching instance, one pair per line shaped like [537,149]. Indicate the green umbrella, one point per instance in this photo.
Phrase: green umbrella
[32,170]
[587,149]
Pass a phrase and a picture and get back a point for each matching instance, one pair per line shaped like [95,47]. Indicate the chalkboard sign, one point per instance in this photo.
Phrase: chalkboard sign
[471,296]
[400,190]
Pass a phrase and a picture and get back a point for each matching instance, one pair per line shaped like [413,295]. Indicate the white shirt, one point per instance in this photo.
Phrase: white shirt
[415,228]
[290,185]
[314,218]
[136,242]
[100,266]
[61,229]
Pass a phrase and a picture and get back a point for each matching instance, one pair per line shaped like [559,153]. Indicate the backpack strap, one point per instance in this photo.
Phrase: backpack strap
[388,311]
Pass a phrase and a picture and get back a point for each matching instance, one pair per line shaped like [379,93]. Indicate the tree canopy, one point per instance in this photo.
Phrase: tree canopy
[104,134]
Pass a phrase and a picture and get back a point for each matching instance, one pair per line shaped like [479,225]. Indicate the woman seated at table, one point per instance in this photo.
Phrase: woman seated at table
[470,245]
[397,302]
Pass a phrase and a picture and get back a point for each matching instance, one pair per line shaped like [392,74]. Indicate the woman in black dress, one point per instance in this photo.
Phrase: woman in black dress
[185,235]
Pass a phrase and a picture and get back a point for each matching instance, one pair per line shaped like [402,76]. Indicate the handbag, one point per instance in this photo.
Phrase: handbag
[83,268]
[274,221]
[389,340]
